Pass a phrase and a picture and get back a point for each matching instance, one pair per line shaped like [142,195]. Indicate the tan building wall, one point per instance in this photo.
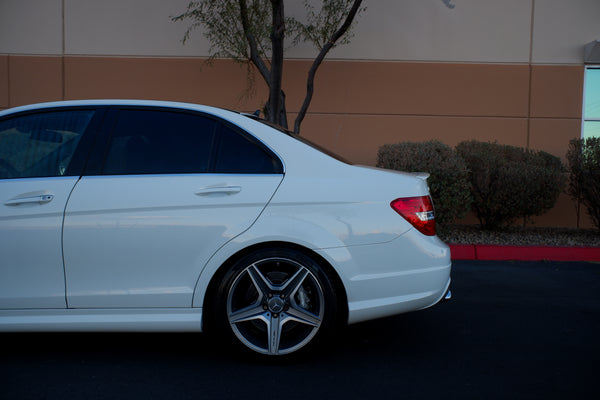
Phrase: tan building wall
[510,71]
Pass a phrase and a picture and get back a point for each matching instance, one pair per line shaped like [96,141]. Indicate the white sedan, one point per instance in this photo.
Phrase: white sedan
[128,215]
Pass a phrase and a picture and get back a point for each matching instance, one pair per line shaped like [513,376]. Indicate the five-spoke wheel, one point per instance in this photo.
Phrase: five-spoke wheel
[276,301]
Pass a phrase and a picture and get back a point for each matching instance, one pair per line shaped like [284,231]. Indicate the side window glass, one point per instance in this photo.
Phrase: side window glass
[238,154]
[40,145]
[159,142]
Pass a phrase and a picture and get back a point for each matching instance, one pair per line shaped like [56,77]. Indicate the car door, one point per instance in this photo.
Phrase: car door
[38,170]
[172,189]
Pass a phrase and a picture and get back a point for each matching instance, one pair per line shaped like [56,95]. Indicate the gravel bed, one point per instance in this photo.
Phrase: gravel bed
[520,236]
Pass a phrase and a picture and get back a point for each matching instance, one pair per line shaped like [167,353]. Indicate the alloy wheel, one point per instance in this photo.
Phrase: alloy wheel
[275,305]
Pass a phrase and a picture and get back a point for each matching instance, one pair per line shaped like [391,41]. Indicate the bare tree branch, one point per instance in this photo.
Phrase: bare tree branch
[317,62]
[254,53]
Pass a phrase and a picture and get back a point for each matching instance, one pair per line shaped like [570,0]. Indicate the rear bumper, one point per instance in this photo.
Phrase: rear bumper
[409,273]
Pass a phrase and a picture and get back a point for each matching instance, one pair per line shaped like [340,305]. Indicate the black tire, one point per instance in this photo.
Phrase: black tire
[275,301]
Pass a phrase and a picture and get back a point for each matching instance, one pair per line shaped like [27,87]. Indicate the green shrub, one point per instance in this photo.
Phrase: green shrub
[448,181]
[583,158]
[510,182]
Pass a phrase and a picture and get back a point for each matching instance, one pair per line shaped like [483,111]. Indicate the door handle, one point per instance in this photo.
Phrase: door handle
[227,190]
[41,199]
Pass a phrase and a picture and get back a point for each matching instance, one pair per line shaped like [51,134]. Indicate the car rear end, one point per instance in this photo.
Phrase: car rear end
[408,268]
[375,227]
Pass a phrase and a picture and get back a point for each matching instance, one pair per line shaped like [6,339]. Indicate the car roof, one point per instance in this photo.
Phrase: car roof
[117,102]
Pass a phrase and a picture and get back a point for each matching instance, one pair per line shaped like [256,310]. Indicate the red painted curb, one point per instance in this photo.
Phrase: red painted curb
[523,253]
[462,252]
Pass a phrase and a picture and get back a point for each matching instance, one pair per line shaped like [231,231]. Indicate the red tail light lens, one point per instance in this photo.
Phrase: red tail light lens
[418,211]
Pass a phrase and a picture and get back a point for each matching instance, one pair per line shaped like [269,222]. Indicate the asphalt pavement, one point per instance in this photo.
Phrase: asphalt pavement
[513,330]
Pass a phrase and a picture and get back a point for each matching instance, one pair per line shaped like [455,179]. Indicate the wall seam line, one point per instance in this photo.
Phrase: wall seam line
[531,28]
[9,80]
[63,86]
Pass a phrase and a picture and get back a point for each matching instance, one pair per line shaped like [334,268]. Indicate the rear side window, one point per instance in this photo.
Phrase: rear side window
[238,154]
[159,142]
[42,144]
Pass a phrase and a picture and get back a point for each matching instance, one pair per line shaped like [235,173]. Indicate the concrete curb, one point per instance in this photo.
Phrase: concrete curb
[523,253]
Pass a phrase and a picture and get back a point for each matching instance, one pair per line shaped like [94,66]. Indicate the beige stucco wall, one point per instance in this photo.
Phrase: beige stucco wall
[31,27]
[561,28]
[408,30]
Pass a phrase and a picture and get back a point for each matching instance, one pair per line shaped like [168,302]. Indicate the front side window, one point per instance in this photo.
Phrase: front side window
[591,103]
[42,144]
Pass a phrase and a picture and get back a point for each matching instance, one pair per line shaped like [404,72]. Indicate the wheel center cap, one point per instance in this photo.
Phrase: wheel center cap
[276,304]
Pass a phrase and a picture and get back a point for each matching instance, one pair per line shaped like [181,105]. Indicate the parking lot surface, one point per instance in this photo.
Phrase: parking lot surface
[519,330]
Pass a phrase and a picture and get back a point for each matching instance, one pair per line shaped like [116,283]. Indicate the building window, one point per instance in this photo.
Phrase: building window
[591,102]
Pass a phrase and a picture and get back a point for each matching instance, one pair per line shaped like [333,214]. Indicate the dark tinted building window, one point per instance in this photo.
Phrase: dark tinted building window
[159,142]
[40,145]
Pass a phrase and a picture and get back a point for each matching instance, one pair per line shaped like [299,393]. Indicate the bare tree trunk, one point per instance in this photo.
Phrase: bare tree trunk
[282,113]
[276,97]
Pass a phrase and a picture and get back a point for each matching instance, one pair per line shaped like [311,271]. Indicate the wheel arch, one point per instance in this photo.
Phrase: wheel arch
[212,287]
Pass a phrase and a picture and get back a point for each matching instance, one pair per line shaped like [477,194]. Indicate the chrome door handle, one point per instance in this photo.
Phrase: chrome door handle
[41,199]
[227,190]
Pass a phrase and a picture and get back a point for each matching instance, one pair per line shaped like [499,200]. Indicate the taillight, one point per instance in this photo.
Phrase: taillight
[418,211]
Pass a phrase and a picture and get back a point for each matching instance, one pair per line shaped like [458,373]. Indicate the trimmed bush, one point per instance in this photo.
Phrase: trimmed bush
[583,157]
[448,181]
[510,182]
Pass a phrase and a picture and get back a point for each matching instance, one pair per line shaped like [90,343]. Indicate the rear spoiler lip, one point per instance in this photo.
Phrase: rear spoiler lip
[421,175]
